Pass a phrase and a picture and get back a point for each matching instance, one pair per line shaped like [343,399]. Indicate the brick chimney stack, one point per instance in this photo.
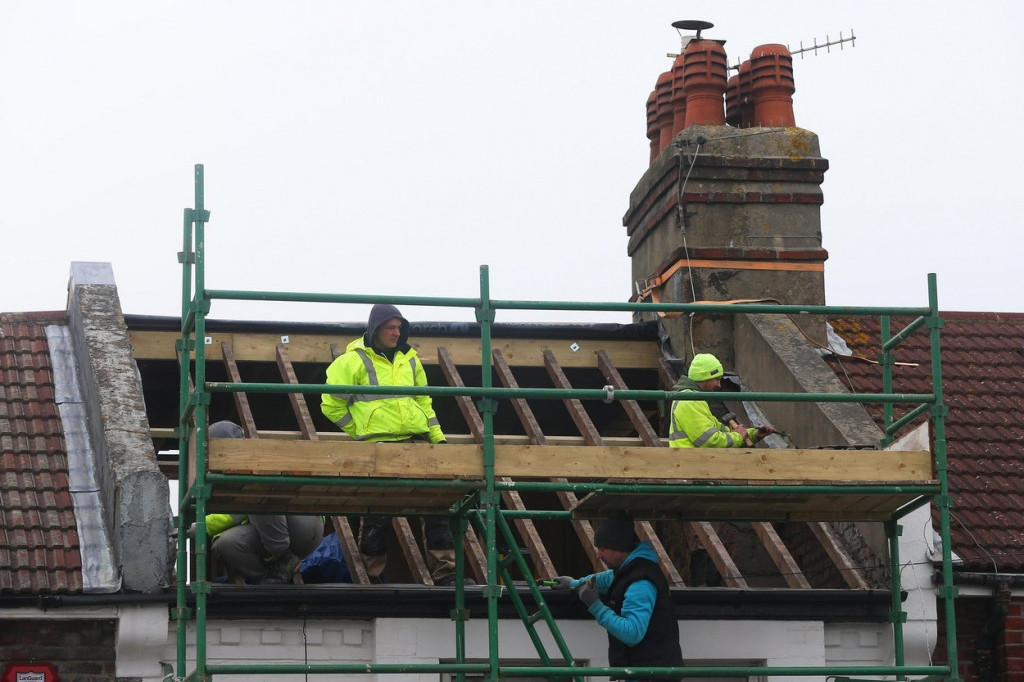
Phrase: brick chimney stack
[730,206]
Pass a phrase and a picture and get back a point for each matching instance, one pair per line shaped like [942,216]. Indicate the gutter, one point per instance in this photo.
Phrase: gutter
[331,600]
[995,580]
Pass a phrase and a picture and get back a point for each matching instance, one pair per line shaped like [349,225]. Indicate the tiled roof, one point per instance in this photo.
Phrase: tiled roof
[983,387]
[39,549]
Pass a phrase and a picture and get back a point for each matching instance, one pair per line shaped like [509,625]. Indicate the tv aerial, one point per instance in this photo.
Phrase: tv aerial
[698,25]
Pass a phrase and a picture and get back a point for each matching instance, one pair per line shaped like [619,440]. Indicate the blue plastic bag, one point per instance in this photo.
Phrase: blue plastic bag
[326,563]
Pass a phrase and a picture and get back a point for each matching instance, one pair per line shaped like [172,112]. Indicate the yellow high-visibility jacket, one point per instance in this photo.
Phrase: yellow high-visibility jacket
[378,417]
[693,425]
[218,523]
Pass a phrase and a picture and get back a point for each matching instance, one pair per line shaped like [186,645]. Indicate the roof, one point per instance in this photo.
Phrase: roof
[39,544]
[983,387]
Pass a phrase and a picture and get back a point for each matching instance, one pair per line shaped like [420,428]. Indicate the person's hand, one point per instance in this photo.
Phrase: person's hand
[587,592]
[562,582]
[191,532]
[765,431]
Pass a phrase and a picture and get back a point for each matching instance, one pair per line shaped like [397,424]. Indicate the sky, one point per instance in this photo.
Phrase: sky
[395,147]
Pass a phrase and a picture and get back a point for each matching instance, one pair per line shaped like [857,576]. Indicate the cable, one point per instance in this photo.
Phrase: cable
[995,567]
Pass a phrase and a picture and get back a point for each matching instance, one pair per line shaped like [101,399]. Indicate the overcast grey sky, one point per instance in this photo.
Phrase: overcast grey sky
[394,147]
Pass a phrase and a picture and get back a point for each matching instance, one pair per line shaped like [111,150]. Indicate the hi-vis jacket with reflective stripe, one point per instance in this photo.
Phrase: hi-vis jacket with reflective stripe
[693,425]
[378,417]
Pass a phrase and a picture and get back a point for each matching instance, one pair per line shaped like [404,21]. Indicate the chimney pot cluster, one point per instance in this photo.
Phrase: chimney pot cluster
[694,90]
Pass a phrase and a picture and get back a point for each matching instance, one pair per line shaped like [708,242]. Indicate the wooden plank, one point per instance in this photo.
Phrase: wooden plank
[453,461]
[298,400]
[286,498]
[632,408]
[522,408]
[350,548]
[584,424]
[306,347]
[167,432]
[719,555]
[407,541]
[475,557]
[829,539]
[241,399]
[780,555]
[743,507]
[464,402]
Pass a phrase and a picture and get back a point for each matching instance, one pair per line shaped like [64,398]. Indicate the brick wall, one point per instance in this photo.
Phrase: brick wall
[990,648]
[78,650]
[1013,641]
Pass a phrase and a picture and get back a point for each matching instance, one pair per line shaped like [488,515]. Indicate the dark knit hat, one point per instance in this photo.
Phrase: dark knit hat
[617,533]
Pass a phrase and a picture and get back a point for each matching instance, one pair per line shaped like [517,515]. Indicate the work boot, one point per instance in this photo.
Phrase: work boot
[283,570]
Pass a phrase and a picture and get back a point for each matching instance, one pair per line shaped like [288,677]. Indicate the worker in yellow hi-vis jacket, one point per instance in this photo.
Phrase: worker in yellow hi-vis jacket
[693,425]
[383,357]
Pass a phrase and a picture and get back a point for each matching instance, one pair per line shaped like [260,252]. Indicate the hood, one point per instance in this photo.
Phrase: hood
[686,384]
[381,313]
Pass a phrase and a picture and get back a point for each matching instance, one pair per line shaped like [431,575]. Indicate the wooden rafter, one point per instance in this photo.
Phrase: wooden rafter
[584,531]
[830,540]
[645,529]
[241,399]
[527,531]
[650,439]
[342,528]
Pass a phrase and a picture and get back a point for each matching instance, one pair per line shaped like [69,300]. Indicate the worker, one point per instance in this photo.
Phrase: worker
[383,357]
[693,425]
[630,600]
[261,549]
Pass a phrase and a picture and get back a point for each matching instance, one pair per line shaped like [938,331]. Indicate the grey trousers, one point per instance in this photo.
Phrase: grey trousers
[438,545]
[242,549]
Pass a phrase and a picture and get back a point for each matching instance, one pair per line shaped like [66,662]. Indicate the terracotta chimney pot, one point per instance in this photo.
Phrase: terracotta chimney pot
[705,75]
[678,98]
[732,98]
[652,124]
[663,95]
[772,85]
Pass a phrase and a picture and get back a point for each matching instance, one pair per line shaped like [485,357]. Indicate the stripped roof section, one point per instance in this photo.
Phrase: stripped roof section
[39,544]
[983,387]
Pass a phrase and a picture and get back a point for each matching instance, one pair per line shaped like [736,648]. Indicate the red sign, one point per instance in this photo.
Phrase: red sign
[29,672]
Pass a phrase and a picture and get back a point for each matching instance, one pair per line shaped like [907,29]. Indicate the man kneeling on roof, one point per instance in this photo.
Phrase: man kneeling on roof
[261,549]
[693,424]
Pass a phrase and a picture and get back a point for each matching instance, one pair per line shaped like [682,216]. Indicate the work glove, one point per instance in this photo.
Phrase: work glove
[764,431]
[587,592]
[562,582]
